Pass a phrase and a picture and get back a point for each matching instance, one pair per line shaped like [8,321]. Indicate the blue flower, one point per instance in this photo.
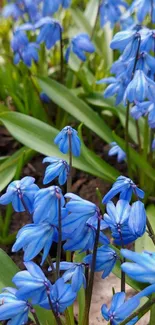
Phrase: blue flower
[13,308]
[32,283]
[151,115]
[79,44]
[139,109]
[44,98]
[140,88]
[110,10]
[120,309]
[143,268]
[61,295]
[25,190]
[147,41]
[116,150]
[50,31]
[12,10]
[153,145]
[65,3]
[117,86]
[23,50]
[143,8]
[62,140]
[137,219]
[57,168]
[50,7]
[105,260]
[46,204]
[125,186]
[80,211]
[126,39]
[117,219]
[34,238]
[74,273]
[83,238]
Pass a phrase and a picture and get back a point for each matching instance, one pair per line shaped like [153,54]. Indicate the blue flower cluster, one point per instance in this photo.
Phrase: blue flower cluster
[79,226]
[37,17]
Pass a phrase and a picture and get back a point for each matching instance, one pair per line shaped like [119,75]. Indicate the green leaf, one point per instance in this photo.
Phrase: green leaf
[39,136]
[137,159]
[7,271]
[145,242]
[110,173]
[76,107]
[91,11]
[96,99]
[9,166]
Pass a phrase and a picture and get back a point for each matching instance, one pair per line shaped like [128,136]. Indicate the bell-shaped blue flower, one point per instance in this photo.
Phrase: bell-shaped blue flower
[80,211]
[65,144]
[11,10]
[125,38]
[50,31]
[137,219]
[117,87]
[139,109]
[153,145]
[44,98]
[105,260]
[83,238]
[116,150]
[80,44]
[140,88]
[34,238]
[110,11]
[46,204]
[74,272]
[57,168]
[126,187]
[120,309]
[116,219]
[23,50]
[143,8]
[18,191]
[143,268]
[61,295]
[50,7]
[32,283]
[13,308]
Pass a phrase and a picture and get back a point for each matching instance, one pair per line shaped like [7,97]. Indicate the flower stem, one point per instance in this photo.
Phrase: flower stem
[150,230]
[35,317]
[59,240]
[138,135]
[91,279]
[142,310]
[69,184]
[95,24]
[58,320]
[61,58]
[69,179]
[25,207]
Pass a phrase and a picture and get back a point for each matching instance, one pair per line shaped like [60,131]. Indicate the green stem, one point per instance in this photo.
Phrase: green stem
[61,58]
[35,317]
[145,149]
[59,240]
[58,320]
[91,279]
[126,135]
[96,20]
[138,136]
[69,183]
[142,310]
[150,230]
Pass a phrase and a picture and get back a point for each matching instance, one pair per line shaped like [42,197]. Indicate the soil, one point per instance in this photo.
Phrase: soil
[83,185]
